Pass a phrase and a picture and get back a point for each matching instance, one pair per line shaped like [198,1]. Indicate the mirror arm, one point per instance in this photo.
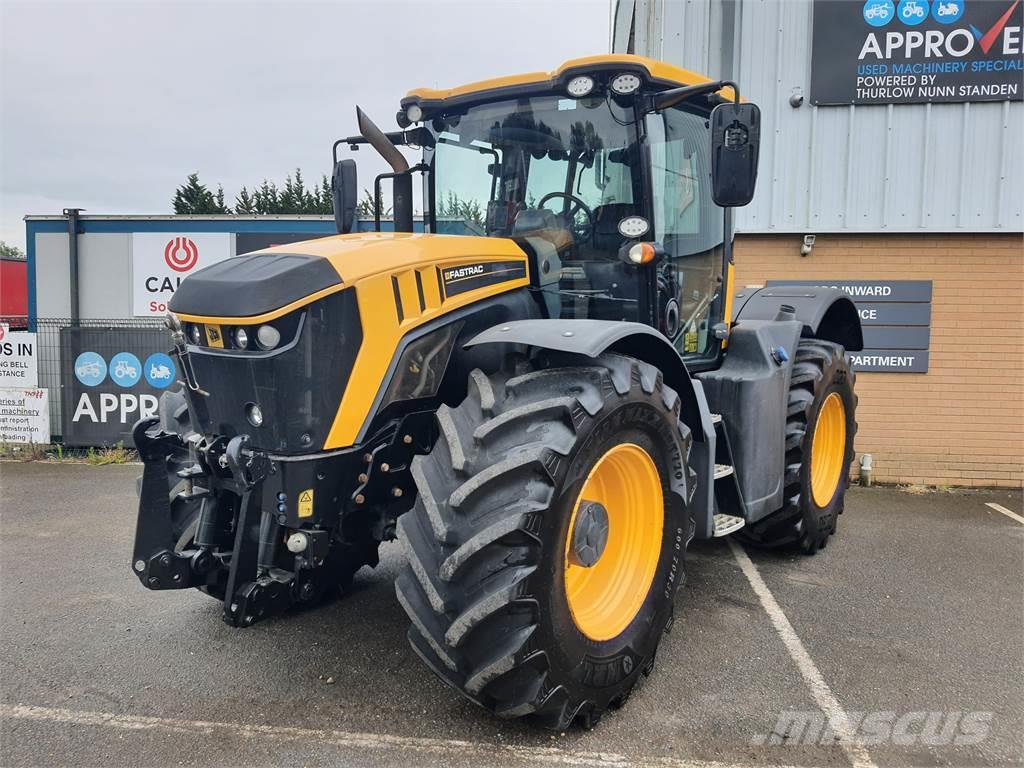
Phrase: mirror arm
[419,167]
[417,137]
[673,96]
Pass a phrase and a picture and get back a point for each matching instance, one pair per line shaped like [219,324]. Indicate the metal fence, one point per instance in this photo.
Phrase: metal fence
[61,341]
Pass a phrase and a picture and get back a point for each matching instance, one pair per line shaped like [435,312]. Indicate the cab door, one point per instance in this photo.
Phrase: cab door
[691,229]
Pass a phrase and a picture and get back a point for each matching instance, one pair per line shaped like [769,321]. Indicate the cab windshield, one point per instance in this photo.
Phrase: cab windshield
[559,175]
[547,162]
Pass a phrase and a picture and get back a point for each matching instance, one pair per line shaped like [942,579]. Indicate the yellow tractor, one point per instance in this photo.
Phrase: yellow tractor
[543,390]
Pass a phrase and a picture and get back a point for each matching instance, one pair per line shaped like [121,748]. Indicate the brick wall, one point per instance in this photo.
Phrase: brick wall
[962,423]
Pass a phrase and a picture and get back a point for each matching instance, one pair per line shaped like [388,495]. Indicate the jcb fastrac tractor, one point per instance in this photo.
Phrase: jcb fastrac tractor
[544,396]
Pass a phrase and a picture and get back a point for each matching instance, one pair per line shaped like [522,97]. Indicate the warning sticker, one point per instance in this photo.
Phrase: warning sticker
[306,503]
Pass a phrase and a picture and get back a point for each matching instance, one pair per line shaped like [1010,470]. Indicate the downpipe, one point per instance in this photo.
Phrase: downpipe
[865,470]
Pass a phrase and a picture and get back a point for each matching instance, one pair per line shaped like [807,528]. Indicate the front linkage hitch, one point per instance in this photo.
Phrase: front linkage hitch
[154,559]
[255,588]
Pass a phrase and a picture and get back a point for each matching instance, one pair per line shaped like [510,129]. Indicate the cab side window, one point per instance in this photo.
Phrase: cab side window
[689,226]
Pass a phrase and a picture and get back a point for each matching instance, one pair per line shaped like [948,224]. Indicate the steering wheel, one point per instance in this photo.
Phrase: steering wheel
[581,232]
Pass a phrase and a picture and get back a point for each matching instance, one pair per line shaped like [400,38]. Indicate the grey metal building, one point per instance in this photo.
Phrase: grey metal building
[891,162]
[938,167]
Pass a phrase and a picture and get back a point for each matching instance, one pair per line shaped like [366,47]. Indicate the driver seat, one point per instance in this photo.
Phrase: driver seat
[540,222]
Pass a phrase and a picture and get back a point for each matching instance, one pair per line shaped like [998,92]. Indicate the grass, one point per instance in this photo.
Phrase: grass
[58,453]
[116,455]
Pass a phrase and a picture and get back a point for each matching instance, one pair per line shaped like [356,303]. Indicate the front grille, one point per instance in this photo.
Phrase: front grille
[298,386]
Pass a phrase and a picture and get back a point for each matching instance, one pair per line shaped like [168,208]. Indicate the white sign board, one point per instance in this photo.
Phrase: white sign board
[19,356]
[161,260]
[24,416]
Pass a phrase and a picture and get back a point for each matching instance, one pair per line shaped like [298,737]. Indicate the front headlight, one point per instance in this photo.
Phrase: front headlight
[254,414]
[267,337]
[241,338]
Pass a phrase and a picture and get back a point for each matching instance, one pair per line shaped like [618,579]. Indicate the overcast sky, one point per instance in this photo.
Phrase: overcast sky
[108,106]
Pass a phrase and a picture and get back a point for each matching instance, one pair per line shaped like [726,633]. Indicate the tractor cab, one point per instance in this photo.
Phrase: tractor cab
[579,166]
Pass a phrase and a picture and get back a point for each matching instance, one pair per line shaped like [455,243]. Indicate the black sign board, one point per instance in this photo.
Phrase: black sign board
[110,378]
[895,316]
[917,51]
[889,360]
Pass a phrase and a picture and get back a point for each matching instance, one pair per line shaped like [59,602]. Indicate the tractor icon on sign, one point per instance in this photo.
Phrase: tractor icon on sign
[912,11]
[125,369]
[877,12]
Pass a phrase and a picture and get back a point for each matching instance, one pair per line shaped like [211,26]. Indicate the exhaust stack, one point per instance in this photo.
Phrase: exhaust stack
[400,176]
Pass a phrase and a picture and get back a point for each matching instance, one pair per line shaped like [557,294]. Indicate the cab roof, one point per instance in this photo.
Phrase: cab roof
[654,71]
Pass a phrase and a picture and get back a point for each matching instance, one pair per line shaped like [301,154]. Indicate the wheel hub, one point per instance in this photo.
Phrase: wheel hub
[613,541]
[590,534]
[828,450]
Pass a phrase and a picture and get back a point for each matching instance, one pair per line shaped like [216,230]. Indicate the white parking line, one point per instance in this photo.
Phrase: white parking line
[1005,511]
[448,749]
[820,692]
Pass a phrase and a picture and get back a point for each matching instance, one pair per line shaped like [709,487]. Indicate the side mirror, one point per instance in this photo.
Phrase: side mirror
[344,191]
[735,137]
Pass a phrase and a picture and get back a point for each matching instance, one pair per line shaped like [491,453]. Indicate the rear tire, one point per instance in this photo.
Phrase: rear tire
[821,379]
[488,539]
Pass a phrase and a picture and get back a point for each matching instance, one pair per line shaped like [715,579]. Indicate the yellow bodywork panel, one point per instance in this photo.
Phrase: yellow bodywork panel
[385,269]
[656,70]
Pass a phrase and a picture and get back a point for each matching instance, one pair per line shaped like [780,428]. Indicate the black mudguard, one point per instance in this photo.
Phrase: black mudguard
[824,313]
[594,337]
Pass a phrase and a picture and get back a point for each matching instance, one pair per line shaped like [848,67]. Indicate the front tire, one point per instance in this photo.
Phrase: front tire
[503,604]
[820,428]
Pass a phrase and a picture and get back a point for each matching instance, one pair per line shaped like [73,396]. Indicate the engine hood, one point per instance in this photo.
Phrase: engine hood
[279,279]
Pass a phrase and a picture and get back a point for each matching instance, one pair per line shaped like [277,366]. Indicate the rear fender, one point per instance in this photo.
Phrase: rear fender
[826,313]
[594,337]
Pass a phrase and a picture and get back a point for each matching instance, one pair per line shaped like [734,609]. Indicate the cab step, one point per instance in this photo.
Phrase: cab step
[726,524]
[723,470]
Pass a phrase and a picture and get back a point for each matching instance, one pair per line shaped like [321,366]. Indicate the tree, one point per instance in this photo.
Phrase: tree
[325,200]
[244,202]
[366,207]
[454,207]
[266,198]
[293,198]
[219,201]
[193,197]
[10,251]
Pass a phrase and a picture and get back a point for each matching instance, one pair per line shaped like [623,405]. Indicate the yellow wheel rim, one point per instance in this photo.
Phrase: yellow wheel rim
[828,449]
[607,596]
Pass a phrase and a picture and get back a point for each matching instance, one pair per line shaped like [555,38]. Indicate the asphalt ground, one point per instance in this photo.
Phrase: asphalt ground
[916,607]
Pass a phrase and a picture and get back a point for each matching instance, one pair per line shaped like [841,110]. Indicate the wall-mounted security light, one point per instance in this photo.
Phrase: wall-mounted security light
[808,245]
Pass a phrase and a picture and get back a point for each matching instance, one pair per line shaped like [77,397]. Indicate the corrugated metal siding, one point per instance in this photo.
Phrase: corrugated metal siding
[942,167]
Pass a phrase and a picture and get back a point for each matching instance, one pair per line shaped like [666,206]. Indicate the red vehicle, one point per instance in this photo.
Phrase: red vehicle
[14,292]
